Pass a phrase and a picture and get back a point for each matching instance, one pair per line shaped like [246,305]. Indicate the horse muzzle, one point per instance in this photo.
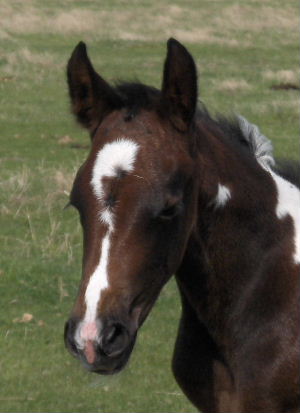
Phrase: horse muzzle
[104,346]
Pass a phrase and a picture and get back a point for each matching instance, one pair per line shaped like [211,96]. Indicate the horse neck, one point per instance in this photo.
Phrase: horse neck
[218,263]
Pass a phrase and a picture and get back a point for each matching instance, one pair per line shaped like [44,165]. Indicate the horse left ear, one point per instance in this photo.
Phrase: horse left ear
[179,87]
[91,96]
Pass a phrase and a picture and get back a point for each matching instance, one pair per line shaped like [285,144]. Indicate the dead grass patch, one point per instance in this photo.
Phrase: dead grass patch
[16,190]
[286,75]
[130,24]
[160,21]
[253,19]
[63,180]
[233,85]
[290,106]
[25,55]
[21,204]
[16,185]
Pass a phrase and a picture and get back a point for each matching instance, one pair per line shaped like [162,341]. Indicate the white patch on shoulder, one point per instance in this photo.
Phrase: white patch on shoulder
[288,203]
[114,157]
[222,196]
[288,195]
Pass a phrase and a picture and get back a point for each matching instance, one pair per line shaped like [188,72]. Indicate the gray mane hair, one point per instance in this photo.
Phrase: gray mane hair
[261,146]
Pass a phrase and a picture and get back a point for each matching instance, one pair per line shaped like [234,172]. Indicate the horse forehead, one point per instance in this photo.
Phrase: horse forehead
[122,122]
[112,160]
[141,146]
[145,128]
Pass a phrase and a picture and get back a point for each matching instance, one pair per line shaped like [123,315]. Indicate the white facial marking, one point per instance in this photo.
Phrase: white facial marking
[114,157]
[111,159]
[107,218]
[98,282]
[89,331]
[222,196]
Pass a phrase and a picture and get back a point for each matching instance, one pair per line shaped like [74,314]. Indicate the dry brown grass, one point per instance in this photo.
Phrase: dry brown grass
[24,55]
[159,22]
[246,17]
[21,205]
[232,85]
[290,106]
[286,75]
[15,188]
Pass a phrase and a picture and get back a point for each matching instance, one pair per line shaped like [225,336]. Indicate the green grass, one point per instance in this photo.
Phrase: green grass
[241,51]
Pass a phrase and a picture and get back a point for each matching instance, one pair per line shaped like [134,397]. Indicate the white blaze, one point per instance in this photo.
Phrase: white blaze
[114,157]
[98,282]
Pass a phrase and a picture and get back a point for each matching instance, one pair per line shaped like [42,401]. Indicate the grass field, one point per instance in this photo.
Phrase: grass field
[242,49]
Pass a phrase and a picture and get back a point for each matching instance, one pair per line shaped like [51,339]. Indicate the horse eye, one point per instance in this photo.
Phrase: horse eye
[170,211]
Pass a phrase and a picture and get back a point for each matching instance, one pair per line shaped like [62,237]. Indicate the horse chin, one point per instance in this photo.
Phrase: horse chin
[110,365]
[141,311]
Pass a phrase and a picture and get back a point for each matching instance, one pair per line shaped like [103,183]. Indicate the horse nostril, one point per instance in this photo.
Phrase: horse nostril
[114,340]
[70,328]
[112,334]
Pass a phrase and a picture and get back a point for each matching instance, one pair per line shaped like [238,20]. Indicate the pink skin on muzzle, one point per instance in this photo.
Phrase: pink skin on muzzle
[89,333]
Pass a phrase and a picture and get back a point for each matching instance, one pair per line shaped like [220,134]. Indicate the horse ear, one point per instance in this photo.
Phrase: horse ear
[179,87]
[91,96]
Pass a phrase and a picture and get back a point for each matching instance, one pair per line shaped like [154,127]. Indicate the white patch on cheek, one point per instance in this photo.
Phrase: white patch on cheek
[222,196]
[113,158]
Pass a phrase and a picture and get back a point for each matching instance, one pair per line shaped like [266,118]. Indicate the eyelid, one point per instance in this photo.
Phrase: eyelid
[171,209]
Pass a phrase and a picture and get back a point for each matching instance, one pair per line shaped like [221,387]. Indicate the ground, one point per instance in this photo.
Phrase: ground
[242,51]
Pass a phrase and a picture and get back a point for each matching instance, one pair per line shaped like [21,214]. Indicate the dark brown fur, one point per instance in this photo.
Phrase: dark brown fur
[237,348]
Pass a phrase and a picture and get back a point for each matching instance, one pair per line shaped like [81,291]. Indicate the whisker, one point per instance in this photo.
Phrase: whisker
[141,177]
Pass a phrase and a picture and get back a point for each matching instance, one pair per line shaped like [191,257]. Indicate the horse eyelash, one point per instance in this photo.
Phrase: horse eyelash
[168,213]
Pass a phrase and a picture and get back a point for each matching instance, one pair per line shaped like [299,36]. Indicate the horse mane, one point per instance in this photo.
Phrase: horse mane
[263,150]
[244,133]
[259,144]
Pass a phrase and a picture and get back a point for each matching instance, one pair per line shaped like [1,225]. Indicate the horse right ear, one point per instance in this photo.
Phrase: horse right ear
[179,87]
[91,96]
